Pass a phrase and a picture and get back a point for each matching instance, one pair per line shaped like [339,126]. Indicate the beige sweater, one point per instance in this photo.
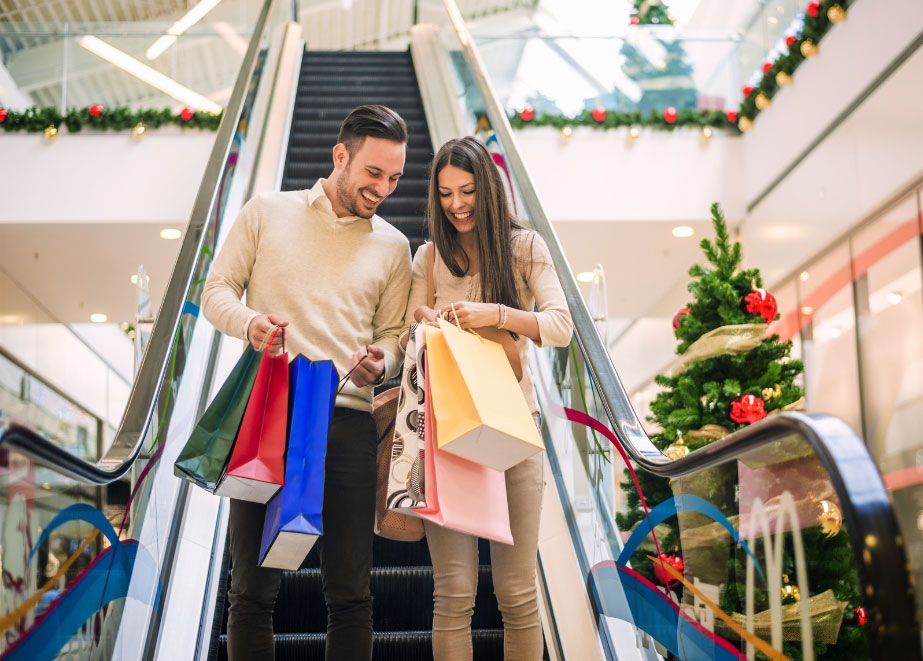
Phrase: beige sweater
[536,282]
[341,283]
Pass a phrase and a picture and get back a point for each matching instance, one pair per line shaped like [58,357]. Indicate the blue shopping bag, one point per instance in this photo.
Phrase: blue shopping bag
[293,515]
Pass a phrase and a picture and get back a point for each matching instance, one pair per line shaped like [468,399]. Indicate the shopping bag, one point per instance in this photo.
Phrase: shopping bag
[404,490]
[293,515]
[205,456]
[479,407]
[389,523]
[461,494]
[256,469]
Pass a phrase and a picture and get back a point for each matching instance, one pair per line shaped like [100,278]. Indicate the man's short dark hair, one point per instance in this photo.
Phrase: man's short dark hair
[375,121]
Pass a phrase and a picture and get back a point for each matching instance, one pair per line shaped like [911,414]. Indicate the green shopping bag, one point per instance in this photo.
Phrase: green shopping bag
[205,457]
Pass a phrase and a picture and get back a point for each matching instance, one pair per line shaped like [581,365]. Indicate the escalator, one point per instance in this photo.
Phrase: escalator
[152,584]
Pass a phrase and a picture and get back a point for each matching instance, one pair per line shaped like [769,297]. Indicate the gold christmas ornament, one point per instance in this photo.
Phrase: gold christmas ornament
[808,48]
[633,133]
[762,101]
[769,393]
[789,590]
[139,131]
[567,132]
[836,14]
[830,518]
[744,124]
[51,133]
[783,79]
[706,133]
[708,433]
[677,450]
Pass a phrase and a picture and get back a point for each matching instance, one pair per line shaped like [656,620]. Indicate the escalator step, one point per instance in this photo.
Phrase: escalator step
[312,76]
[307,154]
[383,88]
[386,646]
[337,115]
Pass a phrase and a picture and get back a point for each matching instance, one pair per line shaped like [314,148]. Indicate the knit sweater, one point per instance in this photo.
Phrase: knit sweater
[341,283]
[536,283]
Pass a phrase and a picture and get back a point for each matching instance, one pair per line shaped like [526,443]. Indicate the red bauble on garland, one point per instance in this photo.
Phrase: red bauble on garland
[747,409]
[760,302]
[861,618]
[670,115]
[527,114]
[790,41]
[661,573]
[732,116]
[187,114]
[599,114]
[635,20]
[96,110]
[814,9]
[3,114]
[677,320]
[748,90]
[766,67]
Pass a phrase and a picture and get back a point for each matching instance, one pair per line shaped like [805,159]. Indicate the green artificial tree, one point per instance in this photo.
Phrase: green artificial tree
[650,12]
[713,394]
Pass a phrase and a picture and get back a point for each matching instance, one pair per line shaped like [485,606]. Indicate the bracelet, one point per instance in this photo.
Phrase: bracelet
[503,310]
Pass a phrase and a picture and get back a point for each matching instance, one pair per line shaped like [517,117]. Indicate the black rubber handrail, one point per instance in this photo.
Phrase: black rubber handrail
[878,546]
[142,401]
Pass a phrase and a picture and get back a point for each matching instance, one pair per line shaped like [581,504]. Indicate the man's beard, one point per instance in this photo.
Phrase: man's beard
[347,200]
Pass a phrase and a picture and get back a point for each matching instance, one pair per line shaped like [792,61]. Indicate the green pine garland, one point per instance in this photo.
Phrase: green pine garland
[36,120]
[815,27]
[651,12]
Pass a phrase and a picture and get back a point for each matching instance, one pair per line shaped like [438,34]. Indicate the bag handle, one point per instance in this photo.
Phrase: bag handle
[430,281]
[342,382]
[272,339]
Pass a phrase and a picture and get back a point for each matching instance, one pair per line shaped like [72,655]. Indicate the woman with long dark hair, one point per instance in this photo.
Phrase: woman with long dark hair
[487,271]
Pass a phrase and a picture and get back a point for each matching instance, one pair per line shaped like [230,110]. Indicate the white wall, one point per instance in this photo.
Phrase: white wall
[101,177]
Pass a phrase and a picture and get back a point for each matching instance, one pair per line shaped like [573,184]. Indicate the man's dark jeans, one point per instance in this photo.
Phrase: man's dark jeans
[345,552]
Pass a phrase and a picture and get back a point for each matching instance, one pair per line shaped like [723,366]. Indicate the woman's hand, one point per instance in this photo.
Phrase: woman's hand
[425,313]
[472,315]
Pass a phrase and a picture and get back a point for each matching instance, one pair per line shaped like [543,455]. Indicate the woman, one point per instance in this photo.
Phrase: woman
[487,271]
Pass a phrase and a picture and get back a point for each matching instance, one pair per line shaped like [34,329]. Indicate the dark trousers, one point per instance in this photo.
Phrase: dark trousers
[345,552]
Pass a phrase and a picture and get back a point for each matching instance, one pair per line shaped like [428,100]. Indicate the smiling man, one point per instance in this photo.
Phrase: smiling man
[335,276]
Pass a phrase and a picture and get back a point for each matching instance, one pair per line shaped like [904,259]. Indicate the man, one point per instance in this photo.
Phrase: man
[320,264]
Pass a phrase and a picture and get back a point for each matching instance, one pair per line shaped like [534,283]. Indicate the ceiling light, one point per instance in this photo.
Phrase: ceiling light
[803,276]
[170,233]
[237,43]
[807,310]
[10,319]
[835,332]
[99,318]
[585,276]
[894,297]
[147,74]
[194,16]
[683,231]
[134,278]
[773,20]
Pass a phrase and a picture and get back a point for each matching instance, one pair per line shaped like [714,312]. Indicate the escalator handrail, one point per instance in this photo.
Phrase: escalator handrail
[150,378]
[867,512]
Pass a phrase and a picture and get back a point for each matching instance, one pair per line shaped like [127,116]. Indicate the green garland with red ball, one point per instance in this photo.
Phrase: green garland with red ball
[819,17]
[98,117]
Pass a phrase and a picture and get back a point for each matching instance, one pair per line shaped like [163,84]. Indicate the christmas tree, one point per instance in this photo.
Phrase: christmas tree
[730,375]
[650,12]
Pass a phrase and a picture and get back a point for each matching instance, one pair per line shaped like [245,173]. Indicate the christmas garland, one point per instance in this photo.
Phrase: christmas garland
[819,17]
[37,120]
[650,12]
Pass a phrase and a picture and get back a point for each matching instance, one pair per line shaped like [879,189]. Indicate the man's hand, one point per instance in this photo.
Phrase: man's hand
[369,369]
[472,315]
[261,329]
[424,314]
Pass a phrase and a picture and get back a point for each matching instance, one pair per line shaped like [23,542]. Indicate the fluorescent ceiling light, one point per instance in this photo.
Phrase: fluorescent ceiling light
[134,279]
[152,77]
[98,318]
[807,310]
[195,15]
[170,233]
[586,276]
[683,231]
[237,43]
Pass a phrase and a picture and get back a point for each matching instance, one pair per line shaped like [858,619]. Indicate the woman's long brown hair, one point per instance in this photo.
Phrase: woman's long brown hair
[494,224]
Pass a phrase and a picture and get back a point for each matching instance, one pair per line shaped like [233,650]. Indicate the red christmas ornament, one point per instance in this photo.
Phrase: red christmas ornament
[3,114]
[679,317]
[747,409]
[670,115]
[599,114]
[814,9]
[187,114]
[766,67]
[661,573]
[748,90]
[790,41]
[760,302]
[96,110]
[861,618]
[732,116]
[635,20]
[526,114]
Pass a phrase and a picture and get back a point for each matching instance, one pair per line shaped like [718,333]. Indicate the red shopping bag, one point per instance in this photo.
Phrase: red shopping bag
[461,494]
[256,469]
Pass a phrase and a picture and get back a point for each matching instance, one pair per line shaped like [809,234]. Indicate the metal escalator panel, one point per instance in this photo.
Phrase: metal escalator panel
[87,548]
[777,541]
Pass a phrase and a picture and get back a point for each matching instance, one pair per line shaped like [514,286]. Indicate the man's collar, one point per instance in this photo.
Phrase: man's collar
[317,199]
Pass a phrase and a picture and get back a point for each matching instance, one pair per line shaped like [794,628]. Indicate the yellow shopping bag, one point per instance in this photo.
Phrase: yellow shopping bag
[481,413]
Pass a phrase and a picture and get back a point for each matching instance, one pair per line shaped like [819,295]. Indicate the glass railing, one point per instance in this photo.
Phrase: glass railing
[87,546]
[778,541]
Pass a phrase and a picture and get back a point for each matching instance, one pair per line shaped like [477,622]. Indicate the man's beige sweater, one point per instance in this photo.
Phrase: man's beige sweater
[341,283]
